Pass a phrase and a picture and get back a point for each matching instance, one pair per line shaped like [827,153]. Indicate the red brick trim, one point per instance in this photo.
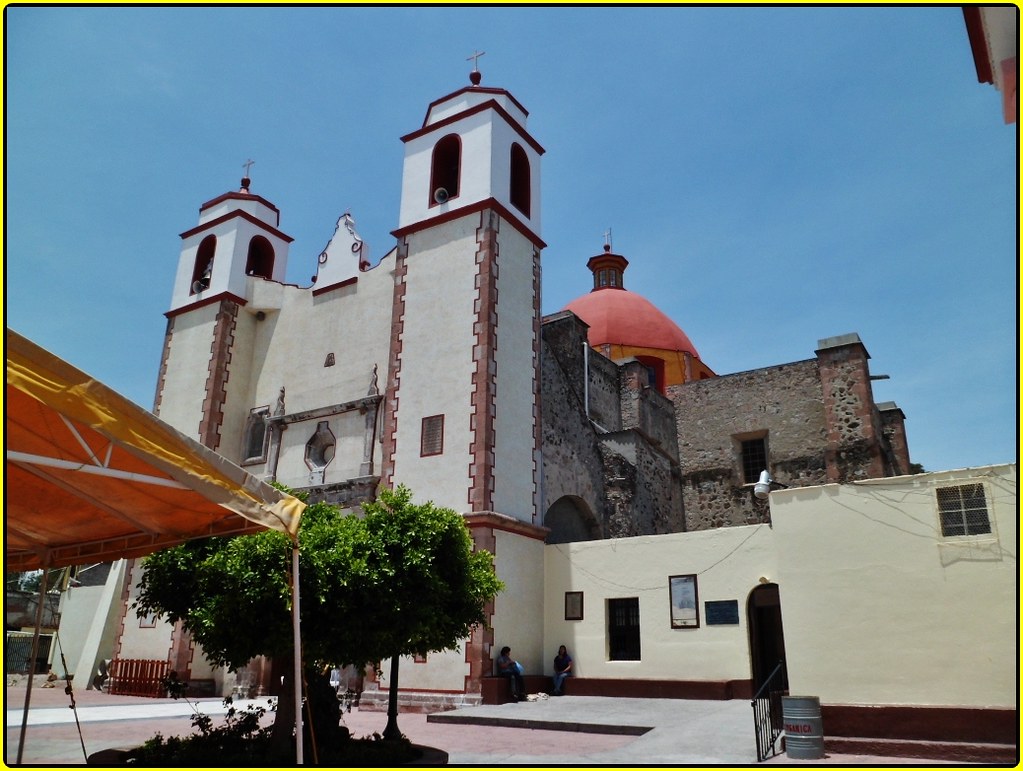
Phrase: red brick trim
[488,203]
[219,372]
[240,196]
[481,522]
[122,614]
[161,378]
[921,723]
[537,406]
[390,437]
[481,640]
[222,297]
[477,89]
[238,214]
[338,285]
[490,104]
[710,690]
[483,398]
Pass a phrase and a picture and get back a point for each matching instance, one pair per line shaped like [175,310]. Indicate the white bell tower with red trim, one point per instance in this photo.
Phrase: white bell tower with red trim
[463,424]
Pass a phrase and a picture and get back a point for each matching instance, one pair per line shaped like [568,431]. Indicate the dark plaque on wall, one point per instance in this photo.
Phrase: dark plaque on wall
[718,612]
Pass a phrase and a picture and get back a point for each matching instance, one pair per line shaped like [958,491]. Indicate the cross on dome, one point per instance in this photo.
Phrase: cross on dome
[475,76]
[246,181]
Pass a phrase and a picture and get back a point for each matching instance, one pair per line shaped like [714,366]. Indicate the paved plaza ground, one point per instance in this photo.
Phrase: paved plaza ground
[681,732]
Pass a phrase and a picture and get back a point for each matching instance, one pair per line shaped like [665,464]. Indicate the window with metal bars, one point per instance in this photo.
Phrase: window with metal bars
[623,629]
[963,510]
[754,459]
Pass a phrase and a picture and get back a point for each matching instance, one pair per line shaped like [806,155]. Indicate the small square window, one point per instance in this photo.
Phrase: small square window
[963,510]
[431,441]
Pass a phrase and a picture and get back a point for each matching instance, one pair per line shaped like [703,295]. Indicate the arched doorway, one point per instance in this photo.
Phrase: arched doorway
[570,519]
[766,636]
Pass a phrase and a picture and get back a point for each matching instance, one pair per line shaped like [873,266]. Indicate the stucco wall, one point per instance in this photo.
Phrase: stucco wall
[728,563]
[879,608]
[518,619]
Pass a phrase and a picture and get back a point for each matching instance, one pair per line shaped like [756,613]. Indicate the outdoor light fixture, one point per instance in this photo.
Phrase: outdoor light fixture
[764,486]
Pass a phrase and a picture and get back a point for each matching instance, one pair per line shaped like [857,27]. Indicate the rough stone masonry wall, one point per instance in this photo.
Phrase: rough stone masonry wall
[784,404]
[572,464]
[854,449]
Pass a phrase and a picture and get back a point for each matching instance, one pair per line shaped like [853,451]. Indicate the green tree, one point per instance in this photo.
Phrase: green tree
[402,579]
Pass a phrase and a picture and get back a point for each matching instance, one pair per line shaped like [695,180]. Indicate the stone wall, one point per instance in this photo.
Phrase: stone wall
[621,463]
[572,465]
[782,404]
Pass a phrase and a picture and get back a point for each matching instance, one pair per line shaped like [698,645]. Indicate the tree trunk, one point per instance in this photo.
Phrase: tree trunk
[392,731]
[283,732]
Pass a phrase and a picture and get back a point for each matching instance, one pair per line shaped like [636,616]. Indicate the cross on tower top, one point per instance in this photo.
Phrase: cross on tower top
[248,166]
[607,240]
[476,59]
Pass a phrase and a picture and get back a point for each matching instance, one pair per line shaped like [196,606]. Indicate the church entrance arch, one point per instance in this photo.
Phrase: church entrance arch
[571,519]
[766,636]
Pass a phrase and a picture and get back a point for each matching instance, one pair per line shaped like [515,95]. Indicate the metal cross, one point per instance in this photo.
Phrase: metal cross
[607,238]
[248,165]
[476,60]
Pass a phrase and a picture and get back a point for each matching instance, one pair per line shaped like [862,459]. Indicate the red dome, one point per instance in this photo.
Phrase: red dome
[621,317]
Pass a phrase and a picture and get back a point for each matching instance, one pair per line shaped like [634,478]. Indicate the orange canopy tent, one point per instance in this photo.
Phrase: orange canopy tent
[91,477]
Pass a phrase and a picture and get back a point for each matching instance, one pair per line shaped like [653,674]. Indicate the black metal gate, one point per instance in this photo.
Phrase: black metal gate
[18,653]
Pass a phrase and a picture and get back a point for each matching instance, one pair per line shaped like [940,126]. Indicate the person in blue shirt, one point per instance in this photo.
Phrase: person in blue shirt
[508,667]
[562,669]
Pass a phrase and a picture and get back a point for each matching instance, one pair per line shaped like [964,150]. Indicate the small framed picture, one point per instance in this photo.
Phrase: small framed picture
[573,606]
[685,602]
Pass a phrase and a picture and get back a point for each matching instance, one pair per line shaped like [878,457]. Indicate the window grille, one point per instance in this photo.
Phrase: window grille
[623,629]
[963,510]
[754,459]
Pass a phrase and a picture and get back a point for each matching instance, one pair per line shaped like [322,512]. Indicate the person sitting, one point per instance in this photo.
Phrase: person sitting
[508,667]
[562,669]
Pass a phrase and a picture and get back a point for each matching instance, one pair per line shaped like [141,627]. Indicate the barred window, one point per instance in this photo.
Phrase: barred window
[963,510]
[623,629]
[754,459]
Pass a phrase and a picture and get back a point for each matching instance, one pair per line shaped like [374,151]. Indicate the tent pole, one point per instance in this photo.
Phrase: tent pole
[295,615]
[32,661]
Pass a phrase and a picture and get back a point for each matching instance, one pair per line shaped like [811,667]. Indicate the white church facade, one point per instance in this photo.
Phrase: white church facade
[577,461]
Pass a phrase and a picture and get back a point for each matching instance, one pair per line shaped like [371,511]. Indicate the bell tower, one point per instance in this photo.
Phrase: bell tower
[236,237]
[219,296]
[463,425]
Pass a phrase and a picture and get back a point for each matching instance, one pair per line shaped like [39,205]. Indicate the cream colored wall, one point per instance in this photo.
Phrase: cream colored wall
[289,347]
[443,671]
[143,642]
[188,366]
[436,361]
[518,610]
[880,609]
[728,563]
[514,417]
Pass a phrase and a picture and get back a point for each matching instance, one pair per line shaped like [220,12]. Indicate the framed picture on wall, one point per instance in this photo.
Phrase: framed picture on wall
[573,606]
[685,602]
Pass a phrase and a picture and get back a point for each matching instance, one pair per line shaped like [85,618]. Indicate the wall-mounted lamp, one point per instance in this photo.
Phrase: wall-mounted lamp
[764,486]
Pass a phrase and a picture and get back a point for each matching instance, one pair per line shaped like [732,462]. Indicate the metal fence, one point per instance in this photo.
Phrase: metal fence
[18,653]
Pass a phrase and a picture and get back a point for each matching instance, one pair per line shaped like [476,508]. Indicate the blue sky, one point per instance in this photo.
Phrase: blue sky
[774,175]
